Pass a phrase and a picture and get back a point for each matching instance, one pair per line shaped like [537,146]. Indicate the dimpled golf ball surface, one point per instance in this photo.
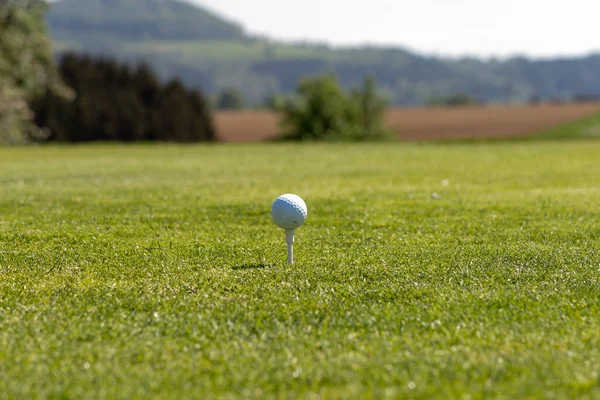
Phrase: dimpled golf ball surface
[289,211]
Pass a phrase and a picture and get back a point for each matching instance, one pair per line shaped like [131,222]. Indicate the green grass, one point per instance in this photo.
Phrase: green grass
[155,272]
[200,50]
[585,128]
[221,51]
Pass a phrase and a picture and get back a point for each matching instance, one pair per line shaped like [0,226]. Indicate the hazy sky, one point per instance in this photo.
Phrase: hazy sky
[452,27]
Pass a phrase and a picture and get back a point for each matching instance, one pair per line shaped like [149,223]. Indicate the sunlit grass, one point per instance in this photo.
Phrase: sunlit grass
[422,271]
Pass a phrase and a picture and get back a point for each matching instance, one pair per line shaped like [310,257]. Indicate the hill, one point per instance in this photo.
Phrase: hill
[137,20]
[211,53]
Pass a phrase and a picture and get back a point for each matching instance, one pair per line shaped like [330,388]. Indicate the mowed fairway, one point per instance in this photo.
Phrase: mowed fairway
[155,272]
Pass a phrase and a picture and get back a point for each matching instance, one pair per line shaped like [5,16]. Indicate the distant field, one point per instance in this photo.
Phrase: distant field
[203,51]
[423,271]
[428,123]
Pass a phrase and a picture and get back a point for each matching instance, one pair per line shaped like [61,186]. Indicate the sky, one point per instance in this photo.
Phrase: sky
[483,28]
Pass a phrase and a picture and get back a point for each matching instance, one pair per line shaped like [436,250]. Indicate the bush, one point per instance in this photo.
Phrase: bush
[116,102]
[370,110]
[230,99]
[454,100]
[321,110]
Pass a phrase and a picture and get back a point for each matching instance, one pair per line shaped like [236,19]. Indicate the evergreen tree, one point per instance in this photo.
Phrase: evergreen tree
[115,102]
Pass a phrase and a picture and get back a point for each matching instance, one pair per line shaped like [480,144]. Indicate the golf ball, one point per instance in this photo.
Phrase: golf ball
[289,211]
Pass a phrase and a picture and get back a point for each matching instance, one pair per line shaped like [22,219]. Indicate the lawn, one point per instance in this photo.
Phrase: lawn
[423,271]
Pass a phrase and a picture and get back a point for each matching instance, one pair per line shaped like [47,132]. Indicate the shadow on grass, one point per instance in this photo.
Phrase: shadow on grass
[251,266]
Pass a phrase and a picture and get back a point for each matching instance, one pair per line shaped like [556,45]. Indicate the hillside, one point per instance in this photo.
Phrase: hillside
[211,53]
[137,20]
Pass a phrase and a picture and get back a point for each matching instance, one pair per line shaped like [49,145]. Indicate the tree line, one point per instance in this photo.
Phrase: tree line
[123,103]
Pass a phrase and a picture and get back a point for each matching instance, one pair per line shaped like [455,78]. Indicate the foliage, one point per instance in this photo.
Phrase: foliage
[273,101]
[15,115]
[321,110]
[117,102]
[230,99]
[155,272]
[27,67]
[370,109]
[138,20]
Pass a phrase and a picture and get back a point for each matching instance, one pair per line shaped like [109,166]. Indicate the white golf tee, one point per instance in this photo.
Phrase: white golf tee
[289,238]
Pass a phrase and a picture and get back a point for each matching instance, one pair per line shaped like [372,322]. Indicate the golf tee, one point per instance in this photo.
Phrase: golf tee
[289,237]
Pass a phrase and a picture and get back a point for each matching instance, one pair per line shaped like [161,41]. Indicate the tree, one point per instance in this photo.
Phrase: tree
[371,109]
[15,115]
[27,67]
[230,99]
[454,100]
[116,102]
[321,110]
[273,101]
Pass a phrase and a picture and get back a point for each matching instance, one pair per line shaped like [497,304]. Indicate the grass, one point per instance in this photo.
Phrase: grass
[155,272]
[585,128]
[226,51]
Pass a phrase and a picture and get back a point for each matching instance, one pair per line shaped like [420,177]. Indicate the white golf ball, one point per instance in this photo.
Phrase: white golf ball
[289,211]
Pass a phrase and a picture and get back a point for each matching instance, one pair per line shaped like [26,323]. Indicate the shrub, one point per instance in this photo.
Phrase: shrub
[370,110]
[230,99]
[321,110]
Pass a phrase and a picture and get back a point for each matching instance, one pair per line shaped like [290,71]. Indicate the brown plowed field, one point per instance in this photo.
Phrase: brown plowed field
[426,123]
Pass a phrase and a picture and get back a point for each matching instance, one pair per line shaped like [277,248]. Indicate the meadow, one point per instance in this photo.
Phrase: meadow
[251,50]
[423,271]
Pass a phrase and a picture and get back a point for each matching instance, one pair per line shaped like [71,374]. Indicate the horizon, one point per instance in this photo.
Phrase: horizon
[457,36]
